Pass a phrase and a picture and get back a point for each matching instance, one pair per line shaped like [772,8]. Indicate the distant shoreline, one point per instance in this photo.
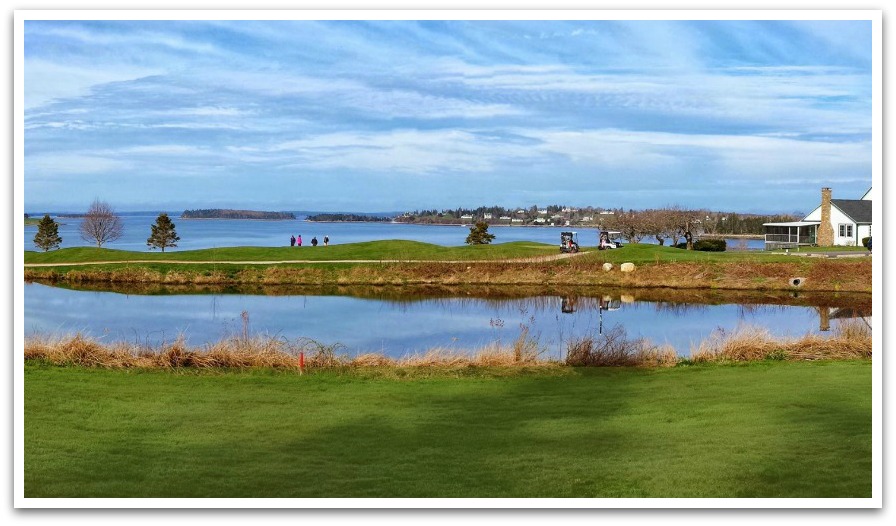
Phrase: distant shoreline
[231,213]
[237,219]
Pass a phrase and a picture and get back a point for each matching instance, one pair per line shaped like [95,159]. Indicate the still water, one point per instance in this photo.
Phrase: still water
[399,327]
[212,233]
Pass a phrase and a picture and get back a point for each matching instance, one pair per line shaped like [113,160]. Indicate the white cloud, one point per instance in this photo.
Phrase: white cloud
[61,164]
[46,80]
[409,151]
[754,157]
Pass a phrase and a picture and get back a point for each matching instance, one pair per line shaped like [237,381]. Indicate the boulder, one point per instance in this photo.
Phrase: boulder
[627,267]
[608,267]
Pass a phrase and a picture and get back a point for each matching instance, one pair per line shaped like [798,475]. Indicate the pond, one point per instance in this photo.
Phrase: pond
[397,324]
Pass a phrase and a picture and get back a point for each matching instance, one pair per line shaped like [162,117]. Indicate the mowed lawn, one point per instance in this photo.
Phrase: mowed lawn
[769,429]
[400,250]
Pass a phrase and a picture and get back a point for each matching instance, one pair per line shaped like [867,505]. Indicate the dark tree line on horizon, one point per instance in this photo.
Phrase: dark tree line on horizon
[226,213]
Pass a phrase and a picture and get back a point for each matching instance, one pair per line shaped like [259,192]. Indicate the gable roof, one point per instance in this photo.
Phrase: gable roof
[859,210]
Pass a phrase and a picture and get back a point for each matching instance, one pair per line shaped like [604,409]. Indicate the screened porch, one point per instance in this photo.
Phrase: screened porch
[790,235]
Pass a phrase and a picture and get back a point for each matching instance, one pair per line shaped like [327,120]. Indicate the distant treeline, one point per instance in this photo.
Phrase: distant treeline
[637,223]
[347,217]
[226,213]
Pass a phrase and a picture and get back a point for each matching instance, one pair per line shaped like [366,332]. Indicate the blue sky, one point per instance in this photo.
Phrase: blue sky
[745,116]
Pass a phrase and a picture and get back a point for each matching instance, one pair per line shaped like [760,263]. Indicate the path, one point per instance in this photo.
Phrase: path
[536,259]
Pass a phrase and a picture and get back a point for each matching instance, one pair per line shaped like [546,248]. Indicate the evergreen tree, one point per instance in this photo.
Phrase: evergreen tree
[479,234]
[47,236]
[163,234]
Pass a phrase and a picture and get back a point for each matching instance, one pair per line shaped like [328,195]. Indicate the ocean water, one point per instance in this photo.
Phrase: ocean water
[212,233]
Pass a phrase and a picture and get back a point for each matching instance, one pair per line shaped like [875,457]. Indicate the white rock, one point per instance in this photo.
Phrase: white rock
[627,267]
[608,267]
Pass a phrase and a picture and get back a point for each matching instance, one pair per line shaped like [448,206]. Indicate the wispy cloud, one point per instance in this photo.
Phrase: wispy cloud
[421,104]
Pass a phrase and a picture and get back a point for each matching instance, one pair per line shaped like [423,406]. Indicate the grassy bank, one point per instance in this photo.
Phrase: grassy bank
[769,429]
[405,263]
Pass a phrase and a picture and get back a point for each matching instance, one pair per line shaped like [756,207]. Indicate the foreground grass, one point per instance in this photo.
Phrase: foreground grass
[769,429]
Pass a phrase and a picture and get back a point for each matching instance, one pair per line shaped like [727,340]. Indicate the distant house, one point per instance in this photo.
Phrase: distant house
[836,222]
[486,215]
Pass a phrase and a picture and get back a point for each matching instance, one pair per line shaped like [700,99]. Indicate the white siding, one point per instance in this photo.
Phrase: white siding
[839,218]
[814,215]
[864,231]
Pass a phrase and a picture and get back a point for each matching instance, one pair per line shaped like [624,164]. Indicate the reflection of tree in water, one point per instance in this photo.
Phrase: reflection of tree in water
[753,309]
[680,309]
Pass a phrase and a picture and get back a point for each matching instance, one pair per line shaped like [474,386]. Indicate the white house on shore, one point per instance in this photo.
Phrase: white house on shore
[836,222]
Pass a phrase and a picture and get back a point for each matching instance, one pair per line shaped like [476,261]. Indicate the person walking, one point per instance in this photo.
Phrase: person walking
[326,241]
[299,240]
[314,241]
[292,241]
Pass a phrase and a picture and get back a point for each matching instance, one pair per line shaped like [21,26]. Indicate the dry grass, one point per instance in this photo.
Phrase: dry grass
[614,349]
[244,352]
[850,340]
[235,353]
[822,275]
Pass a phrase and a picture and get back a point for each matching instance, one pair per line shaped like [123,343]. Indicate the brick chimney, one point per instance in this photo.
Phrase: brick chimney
[825,230]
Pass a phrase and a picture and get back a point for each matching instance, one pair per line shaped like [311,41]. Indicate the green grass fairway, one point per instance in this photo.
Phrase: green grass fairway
[368,250]
[410,250]
[769,429]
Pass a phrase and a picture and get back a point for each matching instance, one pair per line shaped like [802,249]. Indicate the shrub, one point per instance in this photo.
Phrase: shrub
[865,241]
[707,245]
[614,349]
[711,245]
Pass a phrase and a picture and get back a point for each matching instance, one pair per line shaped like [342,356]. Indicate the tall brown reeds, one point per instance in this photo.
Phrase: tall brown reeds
[851,339]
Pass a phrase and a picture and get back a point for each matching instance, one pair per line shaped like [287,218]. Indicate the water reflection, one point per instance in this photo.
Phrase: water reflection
[409,320]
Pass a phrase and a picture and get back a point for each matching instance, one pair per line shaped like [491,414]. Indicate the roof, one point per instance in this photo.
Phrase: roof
[859,210]
[793,223]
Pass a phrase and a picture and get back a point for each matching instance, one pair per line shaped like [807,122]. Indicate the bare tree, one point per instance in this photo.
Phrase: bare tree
[631,225]
[689,223]
[100,224]
[656,224]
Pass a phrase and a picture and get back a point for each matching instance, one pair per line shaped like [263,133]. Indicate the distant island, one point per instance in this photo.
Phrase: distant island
[226,213]
[347,217]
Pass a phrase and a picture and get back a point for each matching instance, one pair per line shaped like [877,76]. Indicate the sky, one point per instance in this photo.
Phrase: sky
[367,115]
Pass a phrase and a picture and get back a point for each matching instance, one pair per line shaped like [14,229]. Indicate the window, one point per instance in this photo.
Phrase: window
[845,230]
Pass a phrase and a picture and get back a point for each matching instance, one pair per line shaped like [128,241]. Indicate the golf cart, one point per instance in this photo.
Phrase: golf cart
[569,242]
[605,240]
